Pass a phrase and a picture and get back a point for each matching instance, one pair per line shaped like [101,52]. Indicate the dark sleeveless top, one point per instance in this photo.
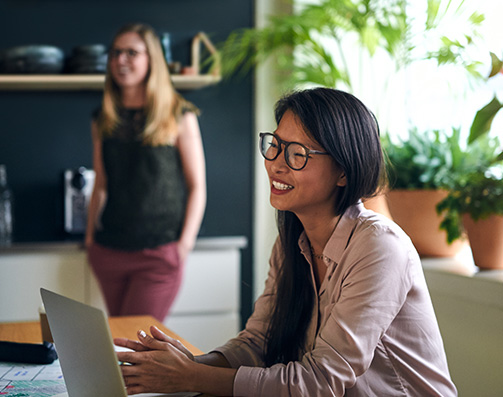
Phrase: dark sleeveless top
[146,192]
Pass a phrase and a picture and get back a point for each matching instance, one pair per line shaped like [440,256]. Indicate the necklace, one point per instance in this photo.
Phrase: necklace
[321,256]
[315,255]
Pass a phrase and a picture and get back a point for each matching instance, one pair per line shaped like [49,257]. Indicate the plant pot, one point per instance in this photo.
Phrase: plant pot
[486,241]
[414,211]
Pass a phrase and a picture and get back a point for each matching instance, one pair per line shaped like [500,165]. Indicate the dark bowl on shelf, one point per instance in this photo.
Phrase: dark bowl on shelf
[41,59]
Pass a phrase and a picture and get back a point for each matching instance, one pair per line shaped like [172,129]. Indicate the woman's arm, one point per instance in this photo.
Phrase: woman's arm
[215,359]
[190,146]
[99,194]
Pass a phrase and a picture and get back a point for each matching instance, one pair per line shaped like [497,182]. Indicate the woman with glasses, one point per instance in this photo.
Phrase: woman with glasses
[150,189]
[345,310]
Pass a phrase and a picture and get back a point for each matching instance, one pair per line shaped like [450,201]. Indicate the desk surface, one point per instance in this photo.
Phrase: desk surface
[120,327]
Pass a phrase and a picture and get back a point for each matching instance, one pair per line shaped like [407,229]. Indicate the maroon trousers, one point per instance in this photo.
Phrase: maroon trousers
[137,282]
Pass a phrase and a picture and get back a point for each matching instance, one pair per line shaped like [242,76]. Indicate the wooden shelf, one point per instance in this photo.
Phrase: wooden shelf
[94,82]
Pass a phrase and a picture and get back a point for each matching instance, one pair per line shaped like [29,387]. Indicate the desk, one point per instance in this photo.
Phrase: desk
[121,327]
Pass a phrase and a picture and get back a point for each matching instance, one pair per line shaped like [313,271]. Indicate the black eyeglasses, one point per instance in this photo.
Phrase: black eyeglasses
[129,52]
[296,154]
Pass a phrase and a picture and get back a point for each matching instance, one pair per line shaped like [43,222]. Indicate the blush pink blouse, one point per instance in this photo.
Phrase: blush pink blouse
[373,331]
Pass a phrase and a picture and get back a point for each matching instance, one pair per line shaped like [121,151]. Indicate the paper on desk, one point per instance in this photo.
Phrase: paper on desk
[31,380]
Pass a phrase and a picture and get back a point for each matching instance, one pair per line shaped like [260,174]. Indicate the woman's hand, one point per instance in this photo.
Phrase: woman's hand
[183,250]
[162,337]
[158,364]
[89,240]
[155,342]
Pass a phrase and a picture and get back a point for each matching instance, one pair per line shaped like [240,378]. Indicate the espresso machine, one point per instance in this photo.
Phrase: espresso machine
[78,187]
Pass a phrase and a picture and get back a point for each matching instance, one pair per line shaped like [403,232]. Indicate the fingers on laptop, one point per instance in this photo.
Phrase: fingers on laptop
[131,344]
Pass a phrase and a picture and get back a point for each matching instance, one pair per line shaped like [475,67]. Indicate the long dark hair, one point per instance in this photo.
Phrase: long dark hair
[346,129]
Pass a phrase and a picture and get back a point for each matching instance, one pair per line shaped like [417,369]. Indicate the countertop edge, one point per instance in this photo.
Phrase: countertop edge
[202,243]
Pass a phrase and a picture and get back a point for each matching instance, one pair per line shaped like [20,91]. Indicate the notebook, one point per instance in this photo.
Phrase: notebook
[85,349]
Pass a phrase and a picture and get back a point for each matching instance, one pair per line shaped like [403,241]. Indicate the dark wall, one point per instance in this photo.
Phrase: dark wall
[42,133]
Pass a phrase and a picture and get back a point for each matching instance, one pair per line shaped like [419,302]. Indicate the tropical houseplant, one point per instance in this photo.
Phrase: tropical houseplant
[464,178]
[421,159]
[420,167]
[475,200]
[310,45]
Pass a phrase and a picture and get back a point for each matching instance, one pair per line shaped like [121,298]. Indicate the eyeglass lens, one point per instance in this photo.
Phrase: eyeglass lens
[130,53]
[295,154]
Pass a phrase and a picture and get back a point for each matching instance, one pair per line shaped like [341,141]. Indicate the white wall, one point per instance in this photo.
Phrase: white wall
[266,94]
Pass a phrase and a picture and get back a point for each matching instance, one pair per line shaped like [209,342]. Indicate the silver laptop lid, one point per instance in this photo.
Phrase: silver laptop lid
[84,345]
[86,351]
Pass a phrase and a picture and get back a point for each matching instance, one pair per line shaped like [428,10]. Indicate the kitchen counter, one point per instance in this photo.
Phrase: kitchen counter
[202,243]
[207,308]
[461,265]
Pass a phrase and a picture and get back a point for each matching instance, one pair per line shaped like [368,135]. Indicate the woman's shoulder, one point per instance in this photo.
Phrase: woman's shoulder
[189,108]
[376,239]
[185,106]
[376,231]
[373,223]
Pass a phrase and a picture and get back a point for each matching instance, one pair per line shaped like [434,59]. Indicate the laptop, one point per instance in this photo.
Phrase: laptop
[85,349]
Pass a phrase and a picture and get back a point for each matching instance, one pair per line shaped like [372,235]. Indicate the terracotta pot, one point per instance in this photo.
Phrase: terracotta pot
[486,241]
[414,211]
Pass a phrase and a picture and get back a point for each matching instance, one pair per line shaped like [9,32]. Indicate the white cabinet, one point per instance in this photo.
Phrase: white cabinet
[23,272]
[206,311]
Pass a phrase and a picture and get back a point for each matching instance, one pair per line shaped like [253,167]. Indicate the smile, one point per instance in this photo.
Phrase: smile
[281,186]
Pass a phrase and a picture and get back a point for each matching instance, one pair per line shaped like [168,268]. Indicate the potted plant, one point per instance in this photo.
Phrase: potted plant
[475,200]
[420,167]
[475,205]
[310,44]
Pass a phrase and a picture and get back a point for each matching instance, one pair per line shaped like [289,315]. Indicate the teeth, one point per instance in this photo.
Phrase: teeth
[281,186]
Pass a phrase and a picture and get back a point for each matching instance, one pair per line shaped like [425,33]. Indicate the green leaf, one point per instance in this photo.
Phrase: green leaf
[496,65]
[370,38]
[432,13]
[477,18]
[422,160]
[483,119]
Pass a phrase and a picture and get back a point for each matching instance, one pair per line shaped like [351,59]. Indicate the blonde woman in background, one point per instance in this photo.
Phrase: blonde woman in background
[150,189]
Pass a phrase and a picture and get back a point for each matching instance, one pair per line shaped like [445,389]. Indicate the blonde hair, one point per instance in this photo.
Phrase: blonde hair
[164,106]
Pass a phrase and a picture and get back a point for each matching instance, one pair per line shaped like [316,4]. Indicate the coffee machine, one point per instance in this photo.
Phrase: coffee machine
[78,187]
